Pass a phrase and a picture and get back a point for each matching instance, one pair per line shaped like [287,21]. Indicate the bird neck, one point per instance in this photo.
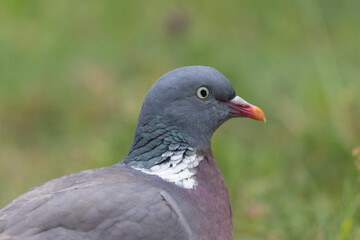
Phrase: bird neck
[161,150]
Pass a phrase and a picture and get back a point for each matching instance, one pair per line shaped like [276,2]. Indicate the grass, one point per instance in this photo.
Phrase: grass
[73,76]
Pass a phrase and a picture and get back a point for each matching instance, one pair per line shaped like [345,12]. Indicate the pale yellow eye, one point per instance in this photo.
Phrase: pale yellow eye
[203,93]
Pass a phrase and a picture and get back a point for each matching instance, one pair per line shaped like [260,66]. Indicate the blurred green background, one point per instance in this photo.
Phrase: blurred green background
[73,75]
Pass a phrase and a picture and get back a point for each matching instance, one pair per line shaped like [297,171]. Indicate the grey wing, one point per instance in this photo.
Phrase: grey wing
[105,210]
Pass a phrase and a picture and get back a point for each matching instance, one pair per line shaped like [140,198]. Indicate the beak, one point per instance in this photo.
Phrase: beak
[245,109]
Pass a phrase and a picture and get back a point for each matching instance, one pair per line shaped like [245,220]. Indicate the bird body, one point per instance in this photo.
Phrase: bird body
[168,187]
[82,206]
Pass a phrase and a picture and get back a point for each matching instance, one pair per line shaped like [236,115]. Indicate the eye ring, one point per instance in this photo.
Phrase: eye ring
[202,93]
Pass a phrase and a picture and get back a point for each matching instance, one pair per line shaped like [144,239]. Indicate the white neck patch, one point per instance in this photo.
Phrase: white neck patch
[179,169]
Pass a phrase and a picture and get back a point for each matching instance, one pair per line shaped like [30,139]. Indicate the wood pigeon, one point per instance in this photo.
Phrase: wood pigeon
[169,185]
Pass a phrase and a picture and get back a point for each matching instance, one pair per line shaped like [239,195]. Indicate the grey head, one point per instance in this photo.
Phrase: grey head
[185,107]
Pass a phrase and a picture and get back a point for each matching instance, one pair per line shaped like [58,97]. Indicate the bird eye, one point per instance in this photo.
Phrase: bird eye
[203,93]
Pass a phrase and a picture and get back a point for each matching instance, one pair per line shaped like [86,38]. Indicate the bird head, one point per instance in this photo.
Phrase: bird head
[195,100]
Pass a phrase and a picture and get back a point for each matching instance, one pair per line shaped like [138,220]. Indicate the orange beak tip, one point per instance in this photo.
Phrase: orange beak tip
[257,114]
